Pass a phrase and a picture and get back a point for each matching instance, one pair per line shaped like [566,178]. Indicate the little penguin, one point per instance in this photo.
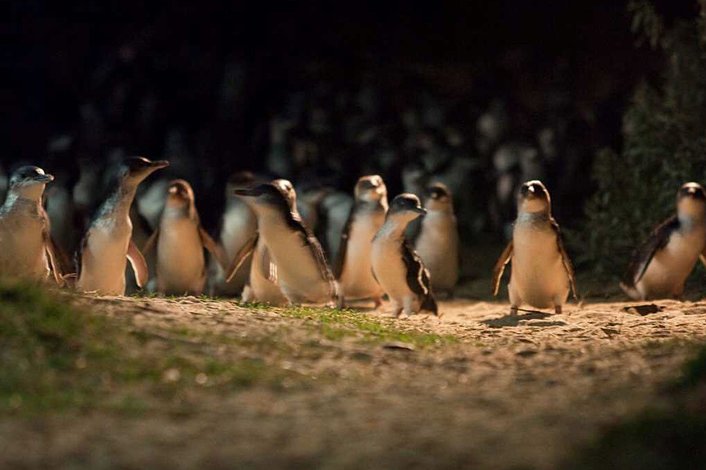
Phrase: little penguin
[108,242]
[180,240]
[396,266]
[661,265]
[262,285]
[26,248]
[238,226]
[542,274]
[437,242]
[302,272]
[353,268]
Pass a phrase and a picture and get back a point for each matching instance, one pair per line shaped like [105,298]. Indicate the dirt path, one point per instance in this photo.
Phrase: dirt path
[514,393]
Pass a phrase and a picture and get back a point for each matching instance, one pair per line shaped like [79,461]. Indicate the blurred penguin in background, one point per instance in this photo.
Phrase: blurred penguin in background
[180,241]
[353,268]
[438,243]
[238,226]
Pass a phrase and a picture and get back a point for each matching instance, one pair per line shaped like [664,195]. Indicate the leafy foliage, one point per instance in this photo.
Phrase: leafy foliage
[664,146]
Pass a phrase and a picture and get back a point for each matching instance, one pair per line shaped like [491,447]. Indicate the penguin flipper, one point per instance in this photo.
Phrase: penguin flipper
[269,269]
[565,260]
[343,248]
[214,248]
[418,279]
[499,268]
[51,250]
[151,241]
[138,263]
[642,257]
[241,256]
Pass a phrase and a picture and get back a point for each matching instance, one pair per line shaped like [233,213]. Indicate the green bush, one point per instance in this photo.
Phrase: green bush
[664,146]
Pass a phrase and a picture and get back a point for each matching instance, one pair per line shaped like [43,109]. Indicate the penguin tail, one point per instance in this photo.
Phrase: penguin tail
[630,291]
[429,305]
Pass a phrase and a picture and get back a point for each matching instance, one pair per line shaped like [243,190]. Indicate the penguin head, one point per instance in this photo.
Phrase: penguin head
[134,170]
[533,197]
[239,180]
[287,189]
[266,198]
[29,181]
[371,188]
[179,195]
[437,197]
[691,200]
[405,207]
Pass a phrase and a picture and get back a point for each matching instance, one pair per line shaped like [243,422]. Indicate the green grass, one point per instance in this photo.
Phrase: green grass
[336,324]
[56,356]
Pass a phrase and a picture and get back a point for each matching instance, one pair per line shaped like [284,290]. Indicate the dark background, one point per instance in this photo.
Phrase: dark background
[124,74]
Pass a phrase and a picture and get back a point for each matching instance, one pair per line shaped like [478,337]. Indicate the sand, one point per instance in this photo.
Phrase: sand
[511,393]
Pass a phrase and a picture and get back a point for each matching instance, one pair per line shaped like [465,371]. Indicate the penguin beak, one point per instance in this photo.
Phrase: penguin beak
[420,210]
[247,192]
[45,178]
[159,164]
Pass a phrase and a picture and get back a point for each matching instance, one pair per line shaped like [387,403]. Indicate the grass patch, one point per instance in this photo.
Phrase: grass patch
[56,356]
[336,324]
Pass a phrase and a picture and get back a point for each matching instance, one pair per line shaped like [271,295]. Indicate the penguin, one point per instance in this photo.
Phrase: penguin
[26,248]
[396,266]
[302,272]
[659,267]
[262,285]
[180,241]
[542,274]
[437,242]
[108,240]
[352,268]
[238,226]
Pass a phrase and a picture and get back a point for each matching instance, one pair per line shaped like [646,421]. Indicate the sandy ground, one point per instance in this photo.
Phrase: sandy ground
[513,393]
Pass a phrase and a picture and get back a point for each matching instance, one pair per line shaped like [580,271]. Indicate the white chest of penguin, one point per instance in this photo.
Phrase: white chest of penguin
[356,275]
[180,257]
[299,274]
[389,268]
[23,245]
[538,272]
[438,242]
[672,265]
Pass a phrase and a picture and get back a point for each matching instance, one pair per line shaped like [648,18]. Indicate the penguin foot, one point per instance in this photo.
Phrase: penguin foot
[631,292]
[341,302]
[378,302]
[557,309]
[513,310]
[397,312]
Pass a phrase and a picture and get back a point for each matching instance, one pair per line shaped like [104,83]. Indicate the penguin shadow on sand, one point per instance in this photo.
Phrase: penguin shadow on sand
[535,316]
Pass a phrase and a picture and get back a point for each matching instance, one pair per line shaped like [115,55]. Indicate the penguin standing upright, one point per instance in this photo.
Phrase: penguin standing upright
[26,248]
[353,265]
[108,243]
[262,284]
[396,266]
[437,242]
[542,275]
[302,273]
[238,225]
[661,265]
[180,240]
